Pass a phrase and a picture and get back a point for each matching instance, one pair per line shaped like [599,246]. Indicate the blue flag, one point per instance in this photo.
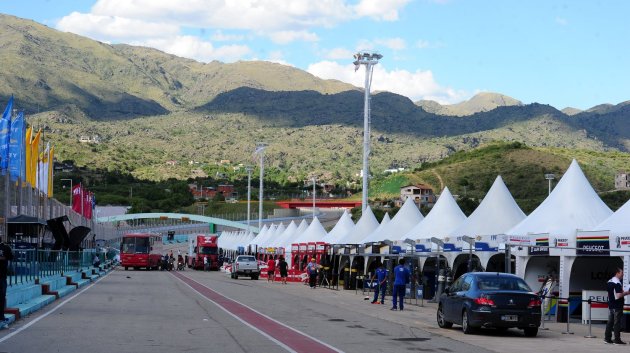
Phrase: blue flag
[5,125]
[17,163]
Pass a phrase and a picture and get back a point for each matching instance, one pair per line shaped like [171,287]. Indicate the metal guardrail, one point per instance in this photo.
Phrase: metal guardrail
[29,265]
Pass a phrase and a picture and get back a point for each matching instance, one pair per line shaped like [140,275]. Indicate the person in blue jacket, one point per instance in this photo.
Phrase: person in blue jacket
[380,276]
[401,278]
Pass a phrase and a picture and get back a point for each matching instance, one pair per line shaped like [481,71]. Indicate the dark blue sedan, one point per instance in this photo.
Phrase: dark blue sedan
[490,299]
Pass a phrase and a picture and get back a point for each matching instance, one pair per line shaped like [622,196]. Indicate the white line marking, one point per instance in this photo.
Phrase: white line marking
[51,310]
[259,313]
[238,318]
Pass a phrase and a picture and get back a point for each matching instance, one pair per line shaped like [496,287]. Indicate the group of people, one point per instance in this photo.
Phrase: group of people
[282,265]
[402,277]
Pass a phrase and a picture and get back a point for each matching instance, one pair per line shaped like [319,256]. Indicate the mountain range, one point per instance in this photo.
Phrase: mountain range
[141,108]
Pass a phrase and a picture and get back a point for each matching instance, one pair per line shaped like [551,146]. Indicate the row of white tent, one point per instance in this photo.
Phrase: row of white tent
[573,205]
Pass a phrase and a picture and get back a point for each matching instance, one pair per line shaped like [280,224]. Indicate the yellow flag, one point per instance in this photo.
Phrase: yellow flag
[27,147]
[50,171]
[34,157]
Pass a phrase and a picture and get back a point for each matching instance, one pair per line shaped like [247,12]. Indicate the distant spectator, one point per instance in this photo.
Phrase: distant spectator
[6,255]
[96,262]
[401,278]
[271,270]
[283,266]
[615,308]
[311,270]
[206,264]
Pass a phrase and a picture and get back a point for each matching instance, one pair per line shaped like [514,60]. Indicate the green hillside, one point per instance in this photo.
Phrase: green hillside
[522,168]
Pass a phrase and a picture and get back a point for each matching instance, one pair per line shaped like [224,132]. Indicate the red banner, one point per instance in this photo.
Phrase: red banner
[82,201]
[87,204]
[77,192]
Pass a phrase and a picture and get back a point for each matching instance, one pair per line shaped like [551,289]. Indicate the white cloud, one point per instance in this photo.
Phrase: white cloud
[422,44]
[108,28]
[194,47]
[392,43]
[219,36]
[562,21]
[415,85]
[379,9]
[240,14]
[338,54]
[286,37]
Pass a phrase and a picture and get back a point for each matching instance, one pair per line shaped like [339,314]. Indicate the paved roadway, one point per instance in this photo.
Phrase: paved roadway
[189,311]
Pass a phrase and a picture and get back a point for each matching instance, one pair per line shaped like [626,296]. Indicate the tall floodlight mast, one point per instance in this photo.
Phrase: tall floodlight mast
[249,170]
[369,60]
[260,151]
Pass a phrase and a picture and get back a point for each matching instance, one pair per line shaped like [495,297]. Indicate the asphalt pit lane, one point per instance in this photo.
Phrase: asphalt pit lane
[411,339]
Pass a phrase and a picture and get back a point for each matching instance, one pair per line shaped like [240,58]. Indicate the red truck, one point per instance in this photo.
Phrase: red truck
[203,246]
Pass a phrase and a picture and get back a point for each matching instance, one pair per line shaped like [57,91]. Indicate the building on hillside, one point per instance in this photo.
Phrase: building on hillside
[171,162]
[420,193]
[622,181]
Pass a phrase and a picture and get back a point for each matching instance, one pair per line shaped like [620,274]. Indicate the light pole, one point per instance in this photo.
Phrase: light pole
[70,190]
[260,150]
[471,244]
[438,291]
[550,177]
[369,60]
[313,197]
[249,170]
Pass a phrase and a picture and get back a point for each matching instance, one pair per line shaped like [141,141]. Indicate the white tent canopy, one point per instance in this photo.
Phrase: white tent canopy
[618,223]
[344,226]
[260,235]
[405,219]
[314,232]
[365,225]
[444,217]
[572,205]
[384,223]
[262,240]
[300,229]
[272,237]
[496,214]
[284,236]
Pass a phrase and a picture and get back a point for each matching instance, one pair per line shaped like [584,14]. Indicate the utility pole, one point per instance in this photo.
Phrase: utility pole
[260,150]
[249,193]
[369,60]
[313,197]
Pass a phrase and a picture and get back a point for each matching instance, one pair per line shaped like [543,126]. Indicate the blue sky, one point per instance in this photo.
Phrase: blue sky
[563,53]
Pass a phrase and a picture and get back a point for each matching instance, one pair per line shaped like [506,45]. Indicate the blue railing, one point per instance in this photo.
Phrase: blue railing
[29,265]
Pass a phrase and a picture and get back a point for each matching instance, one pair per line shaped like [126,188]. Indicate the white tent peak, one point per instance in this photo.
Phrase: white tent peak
[314,232]
[496,214]
[364,226]
[405,219]
[618,223]
[443,218]
[284,236]
[572,205]
[344,226]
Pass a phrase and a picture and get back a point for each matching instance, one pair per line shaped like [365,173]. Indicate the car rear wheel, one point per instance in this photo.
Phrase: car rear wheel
[466,323]
[255,277]
[235,276]
[440,319]
[531,331]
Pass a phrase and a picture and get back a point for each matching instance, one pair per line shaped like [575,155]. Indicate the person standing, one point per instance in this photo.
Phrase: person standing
[271,270]
[615,308]
[311,270]
[206,264]
[380,276]
[284,267]
[401,278]
[6,255]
